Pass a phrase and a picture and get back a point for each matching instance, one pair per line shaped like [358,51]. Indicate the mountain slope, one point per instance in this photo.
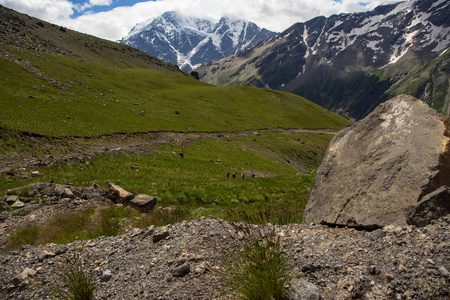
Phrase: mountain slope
[348,62]
[57,82]
[189,42]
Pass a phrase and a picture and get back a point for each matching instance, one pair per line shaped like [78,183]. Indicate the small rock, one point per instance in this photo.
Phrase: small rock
[22,276]
[118,194]
[45,254]
[159,236]
[181,271]
[135,232]
[106,276]
[143,203]
[372,270]
[444,271]
[300,289]
[376,234]
[36,173]
[11,199]
[148,232]
[17,204]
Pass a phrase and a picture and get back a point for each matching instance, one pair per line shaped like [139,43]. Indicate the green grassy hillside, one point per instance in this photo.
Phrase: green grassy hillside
[57,82]
[92,99]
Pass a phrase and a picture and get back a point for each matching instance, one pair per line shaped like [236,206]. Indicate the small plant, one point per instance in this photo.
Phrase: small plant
[258,271]
[4,206]
[77,281]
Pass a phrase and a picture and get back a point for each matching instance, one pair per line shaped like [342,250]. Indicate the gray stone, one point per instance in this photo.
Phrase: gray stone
[148,232]
[444,271]
[45,254]
[376,234]
[106,276]
[22,276]
[17,204]
[11,199]
[160,235]
[431,207]
[118,194]
[35,173]
[381,165]
[181,271]
[300,289]
[143,203]
[68,193]
[59,190]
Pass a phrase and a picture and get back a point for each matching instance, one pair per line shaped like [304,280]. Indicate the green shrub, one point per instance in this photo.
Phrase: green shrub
[258,272]
[77,281]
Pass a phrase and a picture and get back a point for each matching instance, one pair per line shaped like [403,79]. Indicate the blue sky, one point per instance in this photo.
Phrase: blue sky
[113,19]
[103,8]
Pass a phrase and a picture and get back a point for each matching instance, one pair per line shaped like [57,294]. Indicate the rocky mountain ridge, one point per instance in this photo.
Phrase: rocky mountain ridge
[189,42]
[350,63]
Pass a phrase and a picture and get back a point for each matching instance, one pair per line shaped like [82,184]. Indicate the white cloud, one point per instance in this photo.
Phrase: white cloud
[114,24]
[100,2]
[48,10]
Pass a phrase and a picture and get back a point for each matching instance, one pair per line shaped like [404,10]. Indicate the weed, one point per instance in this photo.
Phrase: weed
[77,280]
[4,206]
[258,271]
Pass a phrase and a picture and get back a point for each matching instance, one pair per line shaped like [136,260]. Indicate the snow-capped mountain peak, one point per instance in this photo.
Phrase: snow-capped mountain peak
[190,42]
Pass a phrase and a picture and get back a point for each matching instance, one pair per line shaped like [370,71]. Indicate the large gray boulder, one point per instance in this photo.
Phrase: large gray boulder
[381,165]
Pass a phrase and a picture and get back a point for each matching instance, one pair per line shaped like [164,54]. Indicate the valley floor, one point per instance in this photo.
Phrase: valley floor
[51,151]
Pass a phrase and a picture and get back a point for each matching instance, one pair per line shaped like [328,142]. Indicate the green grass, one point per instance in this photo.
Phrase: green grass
[77,280]
[198,178]
[103,100]
[257,272]
[90,223]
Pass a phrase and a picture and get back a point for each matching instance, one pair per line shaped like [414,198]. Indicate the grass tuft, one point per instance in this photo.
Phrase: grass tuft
[77,281]
[258,271]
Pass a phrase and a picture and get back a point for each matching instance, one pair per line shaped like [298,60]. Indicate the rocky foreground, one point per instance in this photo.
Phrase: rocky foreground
[180,261]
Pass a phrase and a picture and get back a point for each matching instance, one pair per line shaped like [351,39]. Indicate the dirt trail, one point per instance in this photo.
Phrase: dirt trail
[81,149]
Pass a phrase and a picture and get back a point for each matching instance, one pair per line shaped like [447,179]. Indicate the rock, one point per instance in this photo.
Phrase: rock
[36,173]
[143,203]
[63,192]
[431,207]
[22,276]
[376,234]
[444,271]
[381,165]
[59,190]
[300,289]
[118,194]
[148,232]
[106,276]
[181,271]
[160,235]
[45,254]
[17,204]
[11,199]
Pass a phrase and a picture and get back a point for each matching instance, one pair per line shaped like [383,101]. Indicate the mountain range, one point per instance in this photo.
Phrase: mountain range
[190,42]
[350,63]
